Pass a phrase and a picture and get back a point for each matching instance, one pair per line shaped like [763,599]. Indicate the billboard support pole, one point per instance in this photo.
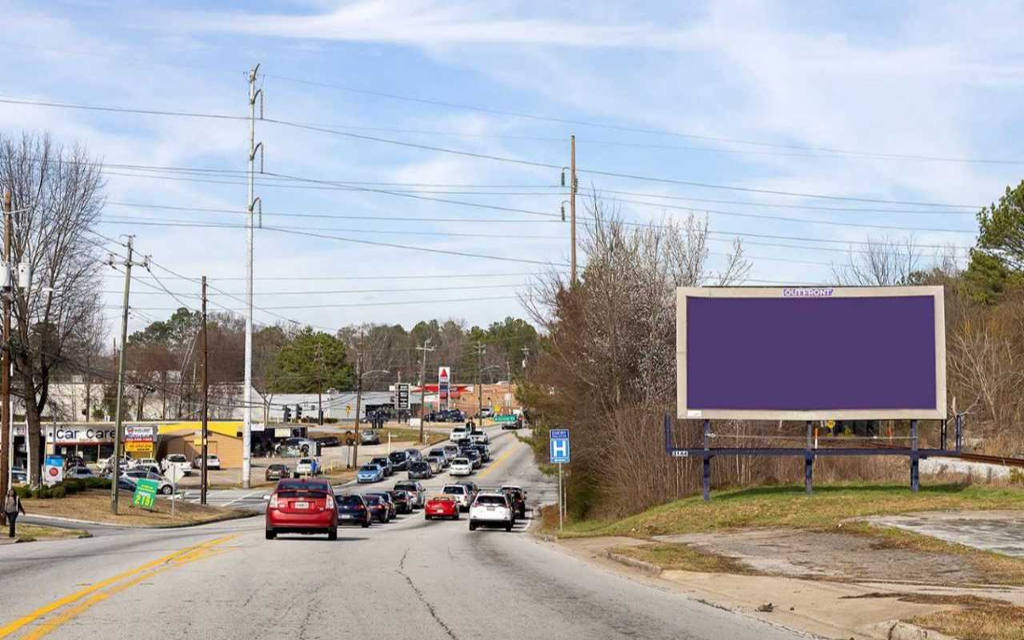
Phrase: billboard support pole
[707,461]
[958,437]
[668,433]
[809,461]
[914,477]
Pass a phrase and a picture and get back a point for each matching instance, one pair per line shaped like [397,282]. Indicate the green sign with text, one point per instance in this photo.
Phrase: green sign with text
[505,418]
[145,494]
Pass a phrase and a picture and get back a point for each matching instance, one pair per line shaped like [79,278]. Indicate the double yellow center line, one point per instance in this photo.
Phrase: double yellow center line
[100,591]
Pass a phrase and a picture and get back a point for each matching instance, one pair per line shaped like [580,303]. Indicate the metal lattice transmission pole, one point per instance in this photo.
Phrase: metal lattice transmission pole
[423,379]
[115,466]
[251,205]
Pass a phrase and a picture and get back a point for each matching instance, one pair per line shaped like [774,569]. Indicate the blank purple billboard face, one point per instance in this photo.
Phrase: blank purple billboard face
[836,353]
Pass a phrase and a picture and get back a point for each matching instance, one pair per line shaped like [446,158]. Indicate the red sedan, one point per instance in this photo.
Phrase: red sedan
[302,506]
[441,506]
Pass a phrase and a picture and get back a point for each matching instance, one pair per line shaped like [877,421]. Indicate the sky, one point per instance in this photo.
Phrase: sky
[804,127]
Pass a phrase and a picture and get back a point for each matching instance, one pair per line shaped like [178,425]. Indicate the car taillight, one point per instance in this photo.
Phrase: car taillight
[360,507]
[273,501]
[330,502]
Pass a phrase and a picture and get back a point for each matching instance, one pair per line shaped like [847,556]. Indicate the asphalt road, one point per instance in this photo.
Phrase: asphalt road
[407,579]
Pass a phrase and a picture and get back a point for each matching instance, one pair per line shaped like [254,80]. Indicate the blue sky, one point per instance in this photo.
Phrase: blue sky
[789,79]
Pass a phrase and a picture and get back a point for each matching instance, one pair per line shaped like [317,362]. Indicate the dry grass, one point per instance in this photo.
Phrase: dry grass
[94,506]
[970,618]
[789,507]
[410,437]
[32,532]
[681,557]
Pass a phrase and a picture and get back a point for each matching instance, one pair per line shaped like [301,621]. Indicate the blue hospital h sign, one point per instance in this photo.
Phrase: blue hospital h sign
[559,446]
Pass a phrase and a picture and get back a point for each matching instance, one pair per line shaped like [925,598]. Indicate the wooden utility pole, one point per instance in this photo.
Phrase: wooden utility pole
[481,349]
[205,434]
[359,396]
[572,202]
[115,473]
[6,436]
[423,379]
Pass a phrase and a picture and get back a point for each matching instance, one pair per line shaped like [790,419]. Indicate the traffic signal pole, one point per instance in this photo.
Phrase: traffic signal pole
[204,481]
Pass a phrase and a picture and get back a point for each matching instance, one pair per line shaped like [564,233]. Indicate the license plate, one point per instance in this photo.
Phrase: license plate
[490,508]
[301,505]
[346,516]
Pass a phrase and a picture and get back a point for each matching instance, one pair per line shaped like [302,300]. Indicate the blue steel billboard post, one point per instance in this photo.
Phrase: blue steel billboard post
[756,353]
[558,450]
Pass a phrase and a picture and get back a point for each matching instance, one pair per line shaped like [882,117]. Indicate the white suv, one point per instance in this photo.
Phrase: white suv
[307,467]
[458,432]
[176,460]
[461,494]
[491,510]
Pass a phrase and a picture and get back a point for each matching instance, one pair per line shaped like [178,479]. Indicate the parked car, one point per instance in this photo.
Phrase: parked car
[70,462]
[378,508]
[487,412]
[401,500]
[460,493]
[124,483]
[369,473]
[369,437]
[417,492]
[517,498]
[352,509]
[491,510]
[484,451]
[436,464]
[384,463]
[308,467]
[303,446]
[461,467]
[420,470]
[79,473]
[163,486]
[212,462]
[302,506]
[278,471]
[328,441]
[151,468]
[176,460]
[388,502]
[399,460]
[144,462]
[441,506]
[18,475]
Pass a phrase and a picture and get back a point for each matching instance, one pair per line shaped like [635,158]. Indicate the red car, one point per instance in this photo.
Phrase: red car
[441,506]
[302,506]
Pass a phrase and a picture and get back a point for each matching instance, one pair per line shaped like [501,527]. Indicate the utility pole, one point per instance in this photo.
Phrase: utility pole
[204,480]
[250,204]
[320,384]
[526,356]
[423,379]
[7,422]
[115,472]
[572,202]
[481,349]
[359,397]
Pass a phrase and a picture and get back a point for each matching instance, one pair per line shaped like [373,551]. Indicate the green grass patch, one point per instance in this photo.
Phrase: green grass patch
[790,507]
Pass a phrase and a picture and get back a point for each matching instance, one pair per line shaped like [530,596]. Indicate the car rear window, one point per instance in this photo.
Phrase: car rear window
[441,498]
[455,491]
[405,486]
[298,485]
[372,499]
[351,501]
[491,500]
[398,456]
[460,461]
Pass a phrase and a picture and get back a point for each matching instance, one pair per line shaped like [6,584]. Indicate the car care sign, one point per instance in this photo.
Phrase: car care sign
[53,470]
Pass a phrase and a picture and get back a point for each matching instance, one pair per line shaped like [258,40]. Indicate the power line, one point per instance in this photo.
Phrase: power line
[481,156]
[362,304]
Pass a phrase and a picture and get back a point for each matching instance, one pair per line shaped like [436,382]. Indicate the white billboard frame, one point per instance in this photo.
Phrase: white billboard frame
[939,412]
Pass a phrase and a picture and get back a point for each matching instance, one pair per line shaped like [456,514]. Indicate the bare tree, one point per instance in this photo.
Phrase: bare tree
[57,198]
[880,262]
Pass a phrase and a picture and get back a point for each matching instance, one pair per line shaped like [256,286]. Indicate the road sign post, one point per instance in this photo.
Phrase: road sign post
[53,470]
[558,448]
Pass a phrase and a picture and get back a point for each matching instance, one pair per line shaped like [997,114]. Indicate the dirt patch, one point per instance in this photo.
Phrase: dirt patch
[971,618]
[94,506]
[857,556]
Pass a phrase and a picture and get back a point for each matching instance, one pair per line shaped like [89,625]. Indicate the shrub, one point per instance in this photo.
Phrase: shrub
[23,492]
[58,492]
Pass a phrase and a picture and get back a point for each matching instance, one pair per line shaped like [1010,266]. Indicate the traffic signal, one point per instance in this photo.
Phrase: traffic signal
[298,413]
[287,413]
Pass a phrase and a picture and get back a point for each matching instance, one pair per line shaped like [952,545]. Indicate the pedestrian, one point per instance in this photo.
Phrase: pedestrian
[12,507]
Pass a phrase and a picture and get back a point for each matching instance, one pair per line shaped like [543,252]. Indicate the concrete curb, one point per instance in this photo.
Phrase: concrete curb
[648,568]
[897,630]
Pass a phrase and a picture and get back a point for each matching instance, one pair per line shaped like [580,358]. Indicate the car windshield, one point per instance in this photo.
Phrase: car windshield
[491,500]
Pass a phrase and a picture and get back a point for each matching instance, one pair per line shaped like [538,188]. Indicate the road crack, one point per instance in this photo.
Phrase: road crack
[423,598]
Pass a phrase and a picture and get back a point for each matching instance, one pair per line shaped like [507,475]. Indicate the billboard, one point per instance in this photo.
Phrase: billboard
[811,353]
